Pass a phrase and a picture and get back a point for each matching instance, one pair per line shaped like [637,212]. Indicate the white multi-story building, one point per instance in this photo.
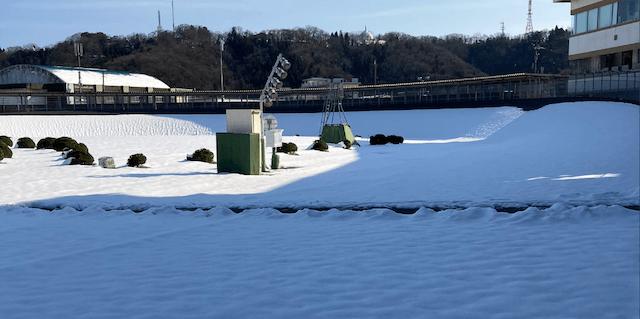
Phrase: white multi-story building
[606,35]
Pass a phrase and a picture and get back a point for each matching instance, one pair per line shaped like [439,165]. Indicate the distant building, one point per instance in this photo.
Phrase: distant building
[367,38]
[319,82]
[606,35]
[66,79]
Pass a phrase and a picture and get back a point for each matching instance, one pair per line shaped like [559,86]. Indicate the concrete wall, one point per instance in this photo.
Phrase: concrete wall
[578,4]
[601,42]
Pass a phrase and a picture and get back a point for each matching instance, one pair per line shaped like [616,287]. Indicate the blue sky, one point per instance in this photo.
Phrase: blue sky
[45,23]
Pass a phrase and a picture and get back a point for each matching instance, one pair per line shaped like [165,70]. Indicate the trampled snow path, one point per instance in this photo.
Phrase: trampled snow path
[562,262]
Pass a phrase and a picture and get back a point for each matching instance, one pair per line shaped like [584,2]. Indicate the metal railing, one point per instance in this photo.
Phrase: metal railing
[605,82]
[460,92]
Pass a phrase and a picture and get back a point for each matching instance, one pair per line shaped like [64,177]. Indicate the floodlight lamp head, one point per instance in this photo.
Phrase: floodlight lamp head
[272,94]
[286,65]
[273,82]
[267,102]
[282,74]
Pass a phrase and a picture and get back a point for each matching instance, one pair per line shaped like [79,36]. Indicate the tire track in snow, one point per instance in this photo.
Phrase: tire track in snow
[499,120]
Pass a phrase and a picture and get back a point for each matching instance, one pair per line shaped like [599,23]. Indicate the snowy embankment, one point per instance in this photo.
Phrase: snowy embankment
[93,257]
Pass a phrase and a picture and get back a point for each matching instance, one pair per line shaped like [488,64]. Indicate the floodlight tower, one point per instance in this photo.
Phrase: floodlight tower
[529,22]
[269,94]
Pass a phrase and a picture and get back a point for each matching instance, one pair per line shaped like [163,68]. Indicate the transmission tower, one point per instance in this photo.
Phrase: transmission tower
[529,23]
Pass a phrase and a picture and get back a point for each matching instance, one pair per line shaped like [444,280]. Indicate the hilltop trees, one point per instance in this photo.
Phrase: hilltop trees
[190,56]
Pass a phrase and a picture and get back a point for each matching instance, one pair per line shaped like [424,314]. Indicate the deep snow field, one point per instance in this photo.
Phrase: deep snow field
[161,242]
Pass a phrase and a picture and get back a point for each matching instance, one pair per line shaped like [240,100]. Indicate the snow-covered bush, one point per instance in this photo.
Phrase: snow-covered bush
[46,143]
[320,145]
[394,139]
[378,139]
[6,150]
[136,160]
[347,144]
[80,158]
[64,143]
[7,140]
[81,147]
[288,148]
[80,155]
[201,155]
[26,142]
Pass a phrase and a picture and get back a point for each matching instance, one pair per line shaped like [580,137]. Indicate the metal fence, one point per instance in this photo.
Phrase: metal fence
[606,82]
[513,88]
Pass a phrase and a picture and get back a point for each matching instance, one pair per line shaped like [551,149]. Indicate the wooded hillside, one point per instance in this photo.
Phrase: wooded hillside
[190,56]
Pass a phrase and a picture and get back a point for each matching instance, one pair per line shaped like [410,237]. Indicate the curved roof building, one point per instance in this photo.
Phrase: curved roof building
[39,76]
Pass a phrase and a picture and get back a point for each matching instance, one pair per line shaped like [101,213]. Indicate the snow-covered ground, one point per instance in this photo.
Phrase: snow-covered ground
[160,242]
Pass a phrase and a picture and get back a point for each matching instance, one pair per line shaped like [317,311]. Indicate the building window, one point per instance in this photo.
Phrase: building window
[628,10]
[581,22]
[608,61]
[627,59]
[606,16]
[592,19]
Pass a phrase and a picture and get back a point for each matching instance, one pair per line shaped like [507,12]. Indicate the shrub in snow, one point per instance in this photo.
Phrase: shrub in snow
[320,145]
[80,158]
[79,155]
[347,144]
[6,150]
[26,142]
[46,143]
[394,139]
[288,148]
[81,147]
[64,143]
[136,160]
[378,139]
[1,154]
[7,140]
[201,155]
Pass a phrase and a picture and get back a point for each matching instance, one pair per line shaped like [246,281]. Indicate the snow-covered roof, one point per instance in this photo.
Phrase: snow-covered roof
[40,74]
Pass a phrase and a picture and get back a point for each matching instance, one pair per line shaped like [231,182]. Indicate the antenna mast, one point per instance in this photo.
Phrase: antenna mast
[159,25]
[173,17]
[529,23]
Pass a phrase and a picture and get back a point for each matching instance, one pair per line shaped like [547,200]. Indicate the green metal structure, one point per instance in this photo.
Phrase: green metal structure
[238,153]
[337,133]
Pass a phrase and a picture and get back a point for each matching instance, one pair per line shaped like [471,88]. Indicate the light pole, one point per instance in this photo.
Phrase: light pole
[221,74]
[269,94]
[375,72]
[79,52]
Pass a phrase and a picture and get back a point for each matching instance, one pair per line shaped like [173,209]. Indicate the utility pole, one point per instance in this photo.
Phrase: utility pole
[79,52]
[375,72]
[536,48]
[221,74]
